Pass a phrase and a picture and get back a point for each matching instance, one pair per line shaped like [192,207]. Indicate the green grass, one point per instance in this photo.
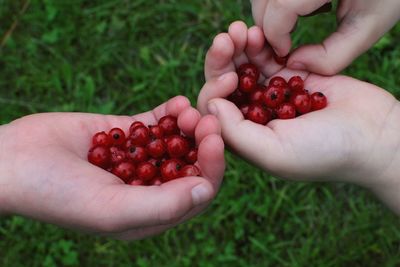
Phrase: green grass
[125,57]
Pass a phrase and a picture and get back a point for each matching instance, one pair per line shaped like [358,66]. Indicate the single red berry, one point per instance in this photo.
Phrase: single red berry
[156,132]
[286,111]
[274,96]
[117,155]
[278,81]
[146,171]
[124,170]
[318,101]
[281,60]
[189,170]
[156,148]
[140,136]
[247,83]
[169,125]
[245,109]
[258,114]
[256,97]
[134,125]
[117,136]
[170,169]
[177,146]
[302,102]
[248,69]
[191,156]
[101,139]
[296,83]
[99,156]
[137,154]
[238,98]
[136,182]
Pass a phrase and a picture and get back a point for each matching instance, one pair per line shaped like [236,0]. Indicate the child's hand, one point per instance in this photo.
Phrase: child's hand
[356,138]
[44,174]
[360,24]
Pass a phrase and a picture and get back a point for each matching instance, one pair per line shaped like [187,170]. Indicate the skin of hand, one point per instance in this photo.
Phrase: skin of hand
[354,139]
[360,24]
[45,174]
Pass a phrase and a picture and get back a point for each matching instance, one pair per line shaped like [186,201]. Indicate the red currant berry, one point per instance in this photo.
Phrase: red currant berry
[137,154]
[99,156]
[146,171]
[134,125]
[318,101]
[248,69]
[156,132]
[274,96]
[191,156]
[136,182]
[117,136]
[245,109]
[170,169]
[301,102]
[189,170]
[140,136]
[247,83]
[278,81]
[101,139]
[169,125]
[238,98]
[296,83]
[117,155]
[286,111]
[177,146]
[124,170]
[156,148]
[256,97]
[258,114]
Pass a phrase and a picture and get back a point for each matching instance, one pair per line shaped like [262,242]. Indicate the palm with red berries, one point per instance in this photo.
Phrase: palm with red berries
[329,143]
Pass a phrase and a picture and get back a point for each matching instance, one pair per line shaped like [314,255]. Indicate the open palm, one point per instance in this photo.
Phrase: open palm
[344,141]
[47,175]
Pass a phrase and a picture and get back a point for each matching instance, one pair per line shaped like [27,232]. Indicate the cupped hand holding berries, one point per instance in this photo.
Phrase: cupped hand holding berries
[45,173]
[355,138]
[360,24]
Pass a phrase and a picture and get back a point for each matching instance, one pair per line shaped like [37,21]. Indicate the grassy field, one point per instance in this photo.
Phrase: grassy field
[125,57]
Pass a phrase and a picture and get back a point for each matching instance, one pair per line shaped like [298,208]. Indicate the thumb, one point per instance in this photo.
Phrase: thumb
[337,51]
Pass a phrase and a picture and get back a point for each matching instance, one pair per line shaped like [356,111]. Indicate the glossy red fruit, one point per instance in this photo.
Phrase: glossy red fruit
[170,169]
[189,170]
[156,162]
[177,146]
[302,102]
[258,114]
[296,83]
[318,101]
[191,156]
[134,125]
[99,156]
[156,132]
[124,170]
[274,96]
[245,109]
[116,136]
[136,182]
[247,83]
[169,125]
[256,97]
[137,154]
[281,60]
[117,155]
[286,111]
[238,98]
[278,81]
[156,148]
[146,171]
[140,136]
[248,69]
[101,139]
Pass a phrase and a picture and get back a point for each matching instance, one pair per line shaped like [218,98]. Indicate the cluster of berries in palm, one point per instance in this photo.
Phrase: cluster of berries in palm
[281,99]
[148,155]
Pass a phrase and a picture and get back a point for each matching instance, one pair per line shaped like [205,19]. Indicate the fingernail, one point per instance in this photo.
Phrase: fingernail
[297,66]
[222,77]
[200,194]
[212,108]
